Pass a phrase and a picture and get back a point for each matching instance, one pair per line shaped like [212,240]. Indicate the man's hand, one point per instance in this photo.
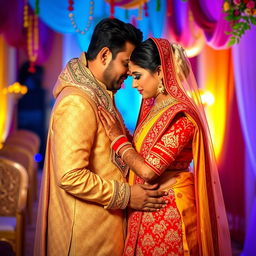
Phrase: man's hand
[146,198]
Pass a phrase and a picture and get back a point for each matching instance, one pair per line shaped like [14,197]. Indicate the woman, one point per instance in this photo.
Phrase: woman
[171,133]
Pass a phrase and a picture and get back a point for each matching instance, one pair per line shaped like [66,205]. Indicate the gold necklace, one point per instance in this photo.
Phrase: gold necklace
[162,104]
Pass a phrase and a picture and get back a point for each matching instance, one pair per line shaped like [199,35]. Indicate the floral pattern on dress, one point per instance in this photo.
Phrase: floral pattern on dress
[175,139]
[161,231]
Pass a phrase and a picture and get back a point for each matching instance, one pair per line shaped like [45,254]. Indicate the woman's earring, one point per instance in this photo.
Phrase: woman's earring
[161,89]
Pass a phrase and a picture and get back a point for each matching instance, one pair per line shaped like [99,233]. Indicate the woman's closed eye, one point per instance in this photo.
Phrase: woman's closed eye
[136,76]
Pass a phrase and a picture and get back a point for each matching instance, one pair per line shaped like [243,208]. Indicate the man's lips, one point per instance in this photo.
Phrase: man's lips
[140,91]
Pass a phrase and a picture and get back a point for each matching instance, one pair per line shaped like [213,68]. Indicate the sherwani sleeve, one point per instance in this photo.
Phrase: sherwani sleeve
[73,131]
[170,144]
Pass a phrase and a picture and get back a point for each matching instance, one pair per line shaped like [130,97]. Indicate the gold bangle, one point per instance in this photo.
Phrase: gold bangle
[127,149]
[122,145]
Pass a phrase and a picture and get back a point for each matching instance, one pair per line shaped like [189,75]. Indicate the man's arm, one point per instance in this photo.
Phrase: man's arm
[73,131]
[74,128]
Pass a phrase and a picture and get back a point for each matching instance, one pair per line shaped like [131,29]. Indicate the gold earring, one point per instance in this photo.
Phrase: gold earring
[160,89]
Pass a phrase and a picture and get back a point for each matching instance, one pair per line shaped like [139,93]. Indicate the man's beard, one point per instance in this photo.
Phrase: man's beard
[110,82]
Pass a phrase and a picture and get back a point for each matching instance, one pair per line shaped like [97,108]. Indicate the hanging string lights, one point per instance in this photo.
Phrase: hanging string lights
[30,22]
[72,17]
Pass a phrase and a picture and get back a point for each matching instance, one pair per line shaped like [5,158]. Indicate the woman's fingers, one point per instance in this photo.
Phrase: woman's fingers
[102,119]
[107,115]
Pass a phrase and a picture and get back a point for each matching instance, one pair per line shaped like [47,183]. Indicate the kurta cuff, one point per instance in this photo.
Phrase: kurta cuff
[121,196]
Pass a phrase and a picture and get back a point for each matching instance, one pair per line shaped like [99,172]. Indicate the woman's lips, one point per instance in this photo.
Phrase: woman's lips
[140,91]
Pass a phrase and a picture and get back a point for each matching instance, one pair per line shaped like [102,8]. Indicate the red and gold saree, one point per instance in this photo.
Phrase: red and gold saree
[169,137]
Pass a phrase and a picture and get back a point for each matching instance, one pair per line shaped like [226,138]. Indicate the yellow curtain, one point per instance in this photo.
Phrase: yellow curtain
[216,77]
[3,85]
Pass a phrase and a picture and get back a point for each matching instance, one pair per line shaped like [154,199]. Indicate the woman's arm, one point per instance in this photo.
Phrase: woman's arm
[162,154]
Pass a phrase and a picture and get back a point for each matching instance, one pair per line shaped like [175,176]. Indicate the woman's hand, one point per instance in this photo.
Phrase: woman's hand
[112,125]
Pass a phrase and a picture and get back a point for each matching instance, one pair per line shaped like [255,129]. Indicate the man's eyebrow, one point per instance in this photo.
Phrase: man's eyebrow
[135,72]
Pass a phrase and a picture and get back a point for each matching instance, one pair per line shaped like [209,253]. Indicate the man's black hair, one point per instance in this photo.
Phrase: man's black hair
[112,33]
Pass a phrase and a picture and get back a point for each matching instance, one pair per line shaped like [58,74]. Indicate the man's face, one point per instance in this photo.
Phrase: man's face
[117,70]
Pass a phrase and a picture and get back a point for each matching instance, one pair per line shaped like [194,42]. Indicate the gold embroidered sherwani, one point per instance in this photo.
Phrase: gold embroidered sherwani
[82,192]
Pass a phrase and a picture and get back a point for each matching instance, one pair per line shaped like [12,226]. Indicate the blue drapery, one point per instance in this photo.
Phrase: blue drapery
[55,14]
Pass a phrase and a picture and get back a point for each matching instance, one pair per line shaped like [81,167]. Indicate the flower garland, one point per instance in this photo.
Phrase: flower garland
[241,14]
[30,22]
[72,17]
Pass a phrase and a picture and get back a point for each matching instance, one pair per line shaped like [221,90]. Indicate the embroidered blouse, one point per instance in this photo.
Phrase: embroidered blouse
[174,149]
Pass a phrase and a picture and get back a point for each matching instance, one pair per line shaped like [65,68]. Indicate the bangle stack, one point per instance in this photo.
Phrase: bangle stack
[127,149]
[119,142]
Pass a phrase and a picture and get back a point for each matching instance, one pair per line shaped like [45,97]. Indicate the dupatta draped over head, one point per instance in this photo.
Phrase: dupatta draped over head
[212,225]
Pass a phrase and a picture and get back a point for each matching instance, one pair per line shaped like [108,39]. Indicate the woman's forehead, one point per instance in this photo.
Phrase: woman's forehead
[133,66]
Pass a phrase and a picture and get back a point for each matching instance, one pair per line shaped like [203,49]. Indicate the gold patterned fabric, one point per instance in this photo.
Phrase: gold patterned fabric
[82,191]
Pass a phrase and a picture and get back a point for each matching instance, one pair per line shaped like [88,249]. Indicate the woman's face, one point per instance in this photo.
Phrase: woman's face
[144,81]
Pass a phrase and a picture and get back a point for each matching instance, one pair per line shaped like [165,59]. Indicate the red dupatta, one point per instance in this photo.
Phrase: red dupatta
[213,237]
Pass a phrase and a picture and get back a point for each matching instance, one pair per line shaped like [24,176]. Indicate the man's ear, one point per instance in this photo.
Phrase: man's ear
[105,55]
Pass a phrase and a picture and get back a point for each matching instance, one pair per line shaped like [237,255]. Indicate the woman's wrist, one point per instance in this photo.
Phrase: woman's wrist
[119,142]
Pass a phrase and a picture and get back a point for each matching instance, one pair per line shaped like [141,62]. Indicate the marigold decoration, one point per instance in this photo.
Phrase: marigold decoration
[241,14]
[72,17]
[30,22]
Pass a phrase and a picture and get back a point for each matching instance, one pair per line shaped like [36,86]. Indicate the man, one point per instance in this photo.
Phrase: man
[83,192]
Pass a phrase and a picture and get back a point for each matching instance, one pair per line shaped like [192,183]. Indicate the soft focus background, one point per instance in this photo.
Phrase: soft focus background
[33,55]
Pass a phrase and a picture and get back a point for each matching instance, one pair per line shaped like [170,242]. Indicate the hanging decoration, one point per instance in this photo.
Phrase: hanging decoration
[112,9]
[241,14]
[158,5]
[72,17]
[145,7]
[141,5]
[30,22]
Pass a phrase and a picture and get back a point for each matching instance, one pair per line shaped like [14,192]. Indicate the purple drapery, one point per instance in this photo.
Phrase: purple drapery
[11,26]
[209,16]
[244,55]
[181,28]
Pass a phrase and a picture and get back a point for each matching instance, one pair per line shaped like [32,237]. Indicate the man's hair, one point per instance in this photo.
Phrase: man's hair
[112,33]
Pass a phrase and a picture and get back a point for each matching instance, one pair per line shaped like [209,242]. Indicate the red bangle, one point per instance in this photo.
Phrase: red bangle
[119,142]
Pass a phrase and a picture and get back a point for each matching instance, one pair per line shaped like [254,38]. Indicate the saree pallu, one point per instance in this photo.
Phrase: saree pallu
[173,229]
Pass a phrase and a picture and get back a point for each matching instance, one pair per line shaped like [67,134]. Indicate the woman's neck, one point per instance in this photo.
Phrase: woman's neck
[161,97]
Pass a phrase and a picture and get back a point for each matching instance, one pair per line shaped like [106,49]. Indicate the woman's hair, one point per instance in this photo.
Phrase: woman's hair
[112,33]
[146,56]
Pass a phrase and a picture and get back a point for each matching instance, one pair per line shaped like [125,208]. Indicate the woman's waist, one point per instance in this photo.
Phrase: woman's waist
[175,178]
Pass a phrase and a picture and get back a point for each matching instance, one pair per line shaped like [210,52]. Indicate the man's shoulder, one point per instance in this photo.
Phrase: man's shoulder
[74,95]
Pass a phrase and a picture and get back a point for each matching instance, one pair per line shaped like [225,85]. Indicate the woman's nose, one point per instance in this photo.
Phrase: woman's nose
[134,84]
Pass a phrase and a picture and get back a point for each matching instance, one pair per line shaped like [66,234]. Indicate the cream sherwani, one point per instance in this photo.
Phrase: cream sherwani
[82,191]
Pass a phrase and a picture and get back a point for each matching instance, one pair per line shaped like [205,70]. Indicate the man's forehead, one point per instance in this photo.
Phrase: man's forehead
[127,50]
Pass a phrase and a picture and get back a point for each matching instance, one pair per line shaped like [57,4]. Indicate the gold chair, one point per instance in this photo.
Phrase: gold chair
[13,196]
[22,142]
[25,158]
[28,140]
